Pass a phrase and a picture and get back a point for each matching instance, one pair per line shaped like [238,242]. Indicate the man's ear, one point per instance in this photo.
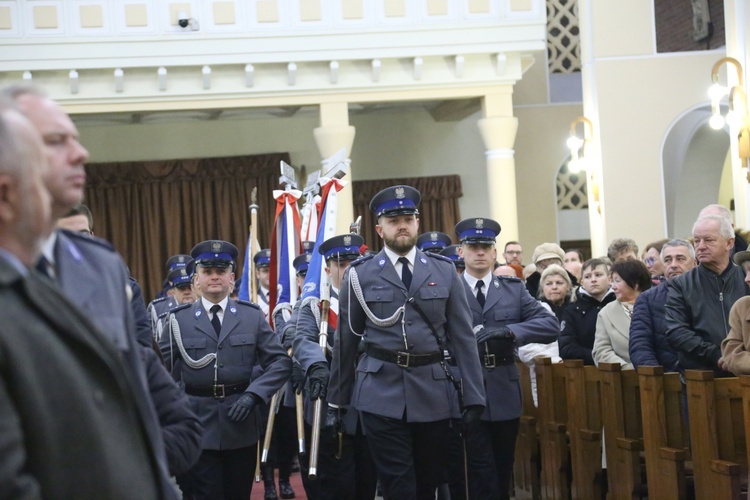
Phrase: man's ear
[8,198]
[379,230]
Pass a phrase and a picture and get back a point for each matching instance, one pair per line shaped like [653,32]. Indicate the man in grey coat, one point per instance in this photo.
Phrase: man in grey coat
[504,317]
[69,420]
[411,308]
[211,347]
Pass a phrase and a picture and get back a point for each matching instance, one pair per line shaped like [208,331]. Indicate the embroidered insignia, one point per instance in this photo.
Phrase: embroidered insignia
[400,193]
[381,263]
[308,288]
[479,223]
[216,246]
[233,310]
[433,236]
[347,241]
[198,313]
[497,283]
[424,261]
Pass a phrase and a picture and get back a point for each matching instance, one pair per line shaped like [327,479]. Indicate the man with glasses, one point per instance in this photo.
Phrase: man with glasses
[513,253]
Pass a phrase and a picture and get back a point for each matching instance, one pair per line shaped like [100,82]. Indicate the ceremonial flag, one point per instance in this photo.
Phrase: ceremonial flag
[285,246]
[248,269]
[316,278]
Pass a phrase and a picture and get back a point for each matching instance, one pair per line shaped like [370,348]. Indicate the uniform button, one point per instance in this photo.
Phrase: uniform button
[409,323]
[221,365]
[411,346]
[378,297]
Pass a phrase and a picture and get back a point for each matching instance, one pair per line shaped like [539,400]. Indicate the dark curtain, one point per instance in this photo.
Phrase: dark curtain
[154,209]
[438,210]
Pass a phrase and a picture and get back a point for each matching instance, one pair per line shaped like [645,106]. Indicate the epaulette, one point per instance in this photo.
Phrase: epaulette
[514,279]
[86,238]
[248,303]
[438,256]
[362,259]
[174,309]
[159,299]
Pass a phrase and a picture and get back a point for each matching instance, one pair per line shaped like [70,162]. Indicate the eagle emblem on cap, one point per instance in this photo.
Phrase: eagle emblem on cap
[400,193]
[433,236]
[479,223]
[216,246]
[347,241]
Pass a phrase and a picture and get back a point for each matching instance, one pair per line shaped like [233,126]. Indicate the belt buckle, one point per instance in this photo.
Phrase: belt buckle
[489,361]
[400,356]
[217,394]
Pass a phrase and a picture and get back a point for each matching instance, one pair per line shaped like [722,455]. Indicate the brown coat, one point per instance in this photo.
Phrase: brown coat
[735,348]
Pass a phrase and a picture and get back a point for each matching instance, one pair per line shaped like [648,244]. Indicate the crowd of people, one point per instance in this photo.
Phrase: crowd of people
[405,379]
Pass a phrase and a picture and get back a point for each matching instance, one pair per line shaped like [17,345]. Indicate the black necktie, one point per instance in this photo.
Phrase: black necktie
[405,272]
[215,319]
[480,293]
[44,266]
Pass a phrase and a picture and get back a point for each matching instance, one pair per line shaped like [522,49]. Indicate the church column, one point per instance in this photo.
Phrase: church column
[498,129]
[333,134]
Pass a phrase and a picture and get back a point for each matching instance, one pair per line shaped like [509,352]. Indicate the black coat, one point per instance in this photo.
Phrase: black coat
[698,304]
[70,423]
[578,326]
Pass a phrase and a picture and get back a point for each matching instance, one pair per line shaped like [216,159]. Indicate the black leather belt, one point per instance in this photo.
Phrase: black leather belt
[500,353]
[403,359]
[218,391]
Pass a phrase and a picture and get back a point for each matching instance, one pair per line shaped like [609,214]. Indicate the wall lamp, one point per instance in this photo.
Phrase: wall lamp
[737,118]
[578,146]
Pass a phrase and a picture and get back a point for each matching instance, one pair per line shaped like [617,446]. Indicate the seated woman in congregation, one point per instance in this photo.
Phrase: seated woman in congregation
[629,278]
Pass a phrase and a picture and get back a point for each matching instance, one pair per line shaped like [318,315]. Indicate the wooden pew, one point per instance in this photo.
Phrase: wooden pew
[717,434]
[665,435]
[552,425]
[584,428]
[526,478]
[623,431]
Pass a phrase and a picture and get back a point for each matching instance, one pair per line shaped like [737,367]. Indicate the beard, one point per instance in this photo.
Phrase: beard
[401,243]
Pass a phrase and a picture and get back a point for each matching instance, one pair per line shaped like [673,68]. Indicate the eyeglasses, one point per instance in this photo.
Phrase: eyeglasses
[649,261]
[514,252]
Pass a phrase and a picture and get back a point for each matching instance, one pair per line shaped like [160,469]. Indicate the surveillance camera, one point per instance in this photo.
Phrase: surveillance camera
[182,19]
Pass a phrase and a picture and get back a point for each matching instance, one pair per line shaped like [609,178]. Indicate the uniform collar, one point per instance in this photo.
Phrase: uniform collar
[207,304]
[472,281]
[393,256]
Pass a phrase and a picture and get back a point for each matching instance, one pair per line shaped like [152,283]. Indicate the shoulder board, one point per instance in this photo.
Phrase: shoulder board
[88,239]
[174,309]
[438,256]
[512,279]
[159,299]
[248,303]
[361,260]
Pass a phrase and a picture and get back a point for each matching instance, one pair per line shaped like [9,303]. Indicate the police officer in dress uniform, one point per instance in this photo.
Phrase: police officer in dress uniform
[158,308]
[410,308]
[434,241]
[351,474]
[211,349]
[262,261]
[453,252]
[504,316]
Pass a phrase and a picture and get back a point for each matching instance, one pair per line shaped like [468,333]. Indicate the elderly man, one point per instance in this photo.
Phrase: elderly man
[648,330]
[90,273]
[409,308]
[69,423]
[698,302]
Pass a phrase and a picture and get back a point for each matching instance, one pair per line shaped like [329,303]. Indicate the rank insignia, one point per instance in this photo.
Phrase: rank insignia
[233,310]
[198,313]
[381,263]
